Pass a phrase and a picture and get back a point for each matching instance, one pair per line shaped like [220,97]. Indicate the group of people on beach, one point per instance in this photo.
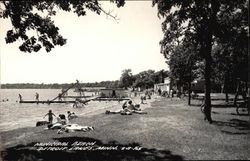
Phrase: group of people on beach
[128,108]
[61,118]
[171,94]
[62,124]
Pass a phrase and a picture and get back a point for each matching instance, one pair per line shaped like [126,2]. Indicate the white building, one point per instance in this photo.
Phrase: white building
[163,86]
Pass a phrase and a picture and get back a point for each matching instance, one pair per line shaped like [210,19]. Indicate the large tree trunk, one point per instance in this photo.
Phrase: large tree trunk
[208,58]
[189,93]
[207,49]
[207,74]
[226,86]
[207,106]
[189,87]
[248,90]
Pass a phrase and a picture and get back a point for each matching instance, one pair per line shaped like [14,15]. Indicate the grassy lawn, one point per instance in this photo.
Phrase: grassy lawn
[171,130]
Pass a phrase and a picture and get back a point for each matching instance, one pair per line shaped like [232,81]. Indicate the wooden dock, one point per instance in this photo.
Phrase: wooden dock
[76,96]
[49,102]
[73,101]
[110,99]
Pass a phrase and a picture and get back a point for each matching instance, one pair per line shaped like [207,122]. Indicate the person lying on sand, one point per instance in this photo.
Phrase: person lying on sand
[128,109]
[69,127]
[74,127]
[56,125]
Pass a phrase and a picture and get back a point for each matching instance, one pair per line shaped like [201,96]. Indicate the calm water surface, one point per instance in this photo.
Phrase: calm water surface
[14,115]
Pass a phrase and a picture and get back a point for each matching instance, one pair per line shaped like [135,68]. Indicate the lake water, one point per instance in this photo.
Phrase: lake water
[14,115]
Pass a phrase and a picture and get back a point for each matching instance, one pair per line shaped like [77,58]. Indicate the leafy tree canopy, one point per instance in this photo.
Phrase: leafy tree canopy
[205,23]
[36,16]
[183,65]
[145,79]
[126,79]
[194,17]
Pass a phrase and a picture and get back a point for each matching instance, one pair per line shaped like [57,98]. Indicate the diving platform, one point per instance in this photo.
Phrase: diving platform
[49,102]
[61,97]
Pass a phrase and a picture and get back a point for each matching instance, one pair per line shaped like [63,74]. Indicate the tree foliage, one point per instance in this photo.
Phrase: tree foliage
[145,79]
[205,23]
[126,79]
[26,16]
[194,19]
[184,64]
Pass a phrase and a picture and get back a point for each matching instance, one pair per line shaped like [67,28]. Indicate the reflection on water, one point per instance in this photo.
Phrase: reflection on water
[15,115]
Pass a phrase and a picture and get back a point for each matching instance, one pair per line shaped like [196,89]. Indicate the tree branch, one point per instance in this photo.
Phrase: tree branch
[109,14]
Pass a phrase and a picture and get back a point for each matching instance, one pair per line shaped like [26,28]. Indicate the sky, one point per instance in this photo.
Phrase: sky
[98,47]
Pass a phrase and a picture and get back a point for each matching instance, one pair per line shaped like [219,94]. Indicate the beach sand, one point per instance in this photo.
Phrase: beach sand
[171,130]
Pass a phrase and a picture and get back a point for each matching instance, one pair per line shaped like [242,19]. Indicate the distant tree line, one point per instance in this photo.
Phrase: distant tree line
[144,79]
[107,84]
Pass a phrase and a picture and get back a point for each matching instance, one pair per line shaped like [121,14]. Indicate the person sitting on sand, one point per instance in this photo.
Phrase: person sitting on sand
[50,116]
[71,115]
[147,94]
[130,106]
[128,109]
[61,119]
[143,98]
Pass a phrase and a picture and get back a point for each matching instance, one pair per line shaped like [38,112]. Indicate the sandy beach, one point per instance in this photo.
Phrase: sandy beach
[171,130]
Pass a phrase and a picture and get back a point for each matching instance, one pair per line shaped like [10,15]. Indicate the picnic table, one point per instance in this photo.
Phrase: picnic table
[243,105]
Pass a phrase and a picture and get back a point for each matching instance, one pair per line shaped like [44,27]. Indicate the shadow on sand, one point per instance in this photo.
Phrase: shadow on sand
[30,153]
[223,106]
[215,105]
[237,126]
[243,114]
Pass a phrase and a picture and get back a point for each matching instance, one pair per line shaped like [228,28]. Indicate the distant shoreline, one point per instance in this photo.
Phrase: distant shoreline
[46,88]
[43,86]
[102,84]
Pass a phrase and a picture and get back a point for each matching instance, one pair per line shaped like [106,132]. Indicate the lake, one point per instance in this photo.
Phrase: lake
[14,115]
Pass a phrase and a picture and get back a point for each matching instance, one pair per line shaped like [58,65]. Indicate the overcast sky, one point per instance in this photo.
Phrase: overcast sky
[98,48]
